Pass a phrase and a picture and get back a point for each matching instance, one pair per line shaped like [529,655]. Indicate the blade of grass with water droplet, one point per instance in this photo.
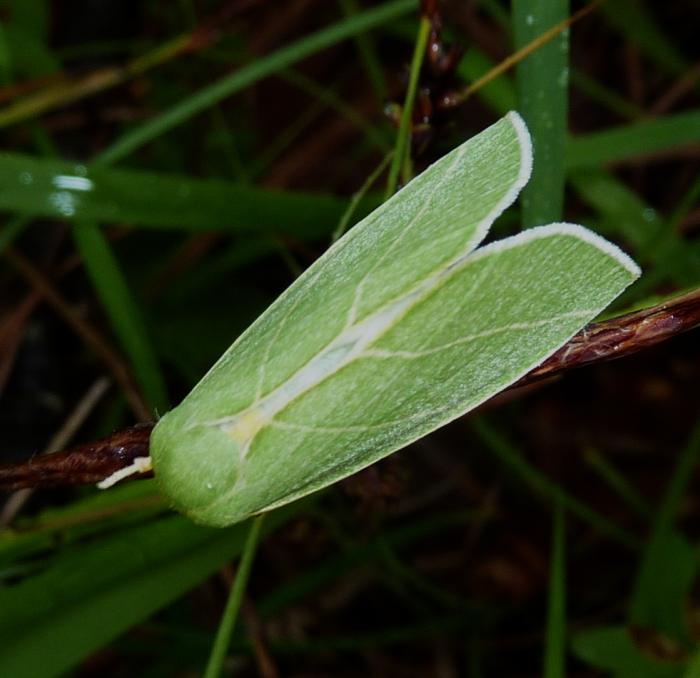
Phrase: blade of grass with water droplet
[50,188]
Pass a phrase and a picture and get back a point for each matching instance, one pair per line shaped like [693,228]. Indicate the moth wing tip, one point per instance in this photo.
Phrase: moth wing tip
[525,142]
[592,238]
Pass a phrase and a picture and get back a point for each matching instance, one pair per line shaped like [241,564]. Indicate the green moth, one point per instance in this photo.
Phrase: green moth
[400,327]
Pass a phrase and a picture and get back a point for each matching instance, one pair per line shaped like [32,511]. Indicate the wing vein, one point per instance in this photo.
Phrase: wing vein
[512,327]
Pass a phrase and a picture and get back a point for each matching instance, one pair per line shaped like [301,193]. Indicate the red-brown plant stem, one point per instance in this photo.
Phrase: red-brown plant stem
[607,340]
[80,465]
[621,336]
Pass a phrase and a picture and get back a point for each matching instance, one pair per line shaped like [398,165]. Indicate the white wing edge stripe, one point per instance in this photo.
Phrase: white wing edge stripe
[525,143]
[561,228]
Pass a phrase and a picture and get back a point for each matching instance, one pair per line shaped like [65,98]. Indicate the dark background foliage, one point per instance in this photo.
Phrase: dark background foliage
[557,526]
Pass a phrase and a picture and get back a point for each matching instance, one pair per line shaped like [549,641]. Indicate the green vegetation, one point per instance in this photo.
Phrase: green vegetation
[170,170]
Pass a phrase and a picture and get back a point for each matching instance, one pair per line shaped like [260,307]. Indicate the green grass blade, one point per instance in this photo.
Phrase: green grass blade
[286,137]
[52,188]
[542,81]
[617,482]
[56,528]
[94,592]
[693,668]
[358,556]
[614,652]
[634,20]
[669,562]
[333,101]
[667,511]
[498,13]
[685,204]
[124,315]
[26,42]
[402,149]
[630,141]
[663,585]
[358,196]
[542,485]
[368,54]
[628,217]
[246,76]
[555,637]
[605,96]
[624,212]
[11,230]
[499,94]
[228,620]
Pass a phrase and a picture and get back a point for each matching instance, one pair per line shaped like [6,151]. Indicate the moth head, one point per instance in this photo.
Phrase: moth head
[195,464]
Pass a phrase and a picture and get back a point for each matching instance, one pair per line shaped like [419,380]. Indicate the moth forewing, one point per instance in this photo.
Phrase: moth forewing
[399,328]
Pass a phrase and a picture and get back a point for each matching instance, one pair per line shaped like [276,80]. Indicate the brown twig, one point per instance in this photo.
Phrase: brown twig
[607,340]
[84,464]
[622,336]
[677,91]
[58,441]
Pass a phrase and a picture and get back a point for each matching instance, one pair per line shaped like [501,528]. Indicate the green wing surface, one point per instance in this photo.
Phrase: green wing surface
[399,328]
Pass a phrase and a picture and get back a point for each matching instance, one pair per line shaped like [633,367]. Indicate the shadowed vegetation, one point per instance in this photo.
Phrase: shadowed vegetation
[167,169]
